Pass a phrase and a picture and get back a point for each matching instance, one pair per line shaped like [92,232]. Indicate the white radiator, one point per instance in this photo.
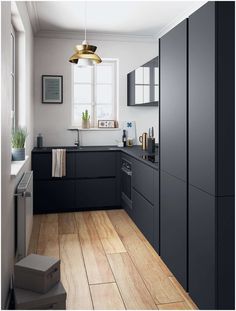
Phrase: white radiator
[24,195]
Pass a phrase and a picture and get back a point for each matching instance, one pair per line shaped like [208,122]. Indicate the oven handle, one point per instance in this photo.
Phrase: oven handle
[126,171]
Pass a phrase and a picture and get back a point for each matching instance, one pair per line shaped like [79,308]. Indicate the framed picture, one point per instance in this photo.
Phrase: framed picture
[106,123]
[52,89]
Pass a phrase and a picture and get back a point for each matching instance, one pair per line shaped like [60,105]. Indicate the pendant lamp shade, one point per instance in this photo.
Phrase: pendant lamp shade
[86,53]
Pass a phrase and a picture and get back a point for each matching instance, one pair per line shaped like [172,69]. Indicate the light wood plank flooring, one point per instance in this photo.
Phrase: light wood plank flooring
[106,262]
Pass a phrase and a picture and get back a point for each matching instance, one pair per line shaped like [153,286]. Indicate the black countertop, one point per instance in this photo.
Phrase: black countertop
[134,151]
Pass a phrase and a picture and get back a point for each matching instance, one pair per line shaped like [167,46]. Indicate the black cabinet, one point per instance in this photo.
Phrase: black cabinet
[142,180]
[211,98]
[143,85]
[52,196]
[96,164]
[173,225]
[156,213]
[92,181]
[202,248]
[211,156]
[173,101]
[173,151]
[101,192]
[42,165]
[143,215]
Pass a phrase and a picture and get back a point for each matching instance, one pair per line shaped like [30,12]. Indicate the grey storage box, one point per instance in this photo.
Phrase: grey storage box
[55,299]
[37,273]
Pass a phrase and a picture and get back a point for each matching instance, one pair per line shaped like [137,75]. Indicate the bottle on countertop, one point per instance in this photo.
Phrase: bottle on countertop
[39,141]
[124,138]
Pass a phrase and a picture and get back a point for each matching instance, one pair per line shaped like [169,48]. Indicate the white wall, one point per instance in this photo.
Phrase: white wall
[51,57]
[8,183]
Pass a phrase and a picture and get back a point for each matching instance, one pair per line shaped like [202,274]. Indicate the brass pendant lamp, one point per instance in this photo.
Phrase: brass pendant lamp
[84,53]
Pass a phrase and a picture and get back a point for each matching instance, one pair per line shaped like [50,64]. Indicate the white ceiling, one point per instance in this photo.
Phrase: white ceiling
[133,18]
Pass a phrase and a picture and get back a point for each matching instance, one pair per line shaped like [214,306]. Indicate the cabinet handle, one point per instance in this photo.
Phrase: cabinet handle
[127,172]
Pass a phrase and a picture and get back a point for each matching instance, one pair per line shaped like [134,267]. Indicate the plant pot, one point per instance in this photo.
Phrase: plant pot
[85,124]
[18,154]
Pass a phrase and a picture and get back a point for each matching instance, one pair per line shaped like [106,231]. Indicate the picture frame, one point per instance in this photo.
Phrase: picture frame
[106,123]
[52,89]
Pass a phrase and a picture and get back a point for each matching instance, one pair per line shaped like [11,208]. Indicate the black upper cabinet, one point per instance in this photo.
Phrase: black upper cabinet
[211,98]
[143,85]
[173,101]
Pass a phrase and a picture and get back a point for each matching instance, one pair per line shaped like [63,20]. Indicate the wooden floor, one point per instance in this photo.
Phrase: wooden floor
[106,262]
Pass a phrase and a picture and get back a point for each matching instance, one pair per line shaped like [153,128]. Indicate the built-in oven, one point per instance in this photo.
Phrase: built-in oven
[126,174]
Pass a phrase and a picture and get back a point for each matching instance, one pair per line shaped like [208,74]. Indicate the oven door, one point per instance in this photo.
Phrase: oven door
[126,175]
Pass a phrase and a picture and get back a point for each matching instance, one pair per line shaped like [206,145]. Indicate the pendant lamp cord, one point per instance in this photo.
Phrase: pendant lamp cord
[85,20]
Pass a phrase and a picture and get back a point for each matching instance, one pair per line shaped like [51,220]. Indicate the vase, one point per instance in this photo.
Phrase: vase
[85,124]
[18,154]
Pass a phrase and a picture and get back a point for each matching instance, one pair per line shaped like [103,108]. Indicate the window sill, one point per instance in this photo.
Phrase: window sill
[16,166]
[96,129]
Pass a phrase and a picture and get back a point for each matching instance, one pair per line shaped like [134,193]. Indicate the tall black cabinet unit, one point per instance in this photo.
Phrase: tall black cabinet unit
[211,156]
[173,151]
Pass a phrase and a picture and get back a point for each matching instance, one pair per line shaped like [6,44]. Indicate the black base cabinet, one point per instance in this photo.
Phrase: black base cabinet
[173,225]
[99,192]
[53,196]
[202,251]
[143,214]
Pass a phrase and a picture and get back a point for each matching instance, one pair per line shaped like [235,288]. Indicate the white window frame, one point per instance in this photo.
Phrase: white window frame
[13,79]
[93,117]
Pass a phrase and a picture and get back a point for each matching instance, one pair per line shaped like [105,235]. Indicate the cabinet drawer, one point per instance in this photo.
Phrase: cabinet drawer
[53,195]
[42,165]
[142,179]
[96,164]
[143,215]
[99,192]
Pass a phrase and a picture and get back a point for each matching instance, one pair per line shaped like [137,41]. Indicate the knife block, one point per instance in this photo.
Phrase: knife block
[151,145]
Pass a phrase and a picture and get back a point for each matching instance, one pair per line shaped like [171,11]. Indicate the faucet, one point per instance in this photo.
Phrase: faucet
[77,142]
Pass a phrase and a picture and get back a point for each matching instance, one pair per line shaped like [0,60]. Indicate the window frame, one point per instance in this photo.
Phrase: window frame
[13,79]
[94,104]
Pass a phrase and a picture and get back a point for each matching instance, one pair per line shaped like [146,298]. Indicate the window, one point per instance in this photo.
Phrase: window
[13,79]
[95,89]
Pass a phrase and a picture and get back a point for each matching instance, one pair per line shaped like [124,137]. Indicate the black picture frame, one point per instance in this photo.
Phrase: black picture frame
[52,89]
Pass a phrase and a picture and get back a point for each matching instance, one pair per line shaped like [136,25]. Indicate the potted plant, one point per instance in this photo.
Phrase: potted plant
[85,120]
[18,144]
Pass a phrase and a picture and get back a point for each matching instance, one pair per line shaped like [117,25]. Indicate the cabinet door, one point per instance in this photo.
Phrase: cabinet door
[202,252]
[173,101]
[156,213]
[42,165]
[202,98]
[101,192]
[142,179]
[143,215]
[54,196]
[96,164]
[173,205]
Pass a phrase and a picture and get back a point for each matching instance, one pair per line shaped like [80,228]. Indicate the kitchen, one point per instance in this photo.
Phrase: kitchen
[132,159]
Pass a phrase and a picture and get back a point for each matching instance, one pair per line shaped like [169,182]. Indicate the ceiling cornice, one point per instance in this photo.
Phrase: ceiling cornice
[33,15]
[94,36]
[179,19]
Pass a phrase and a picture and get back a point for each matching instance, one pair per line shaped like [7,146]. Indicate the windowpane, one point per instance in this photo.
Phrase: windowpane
[138,94]
[146,93]
[156,93]
[78,109]
[104,74]
[156,73]
[82,74]
[146,75]
[104,112]
[139,75]
[104,94]
[82,93]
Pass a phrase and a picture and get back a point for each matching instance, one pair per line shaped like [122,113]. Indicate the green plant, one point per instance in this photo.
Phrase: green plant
[85,115]
[18,138]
